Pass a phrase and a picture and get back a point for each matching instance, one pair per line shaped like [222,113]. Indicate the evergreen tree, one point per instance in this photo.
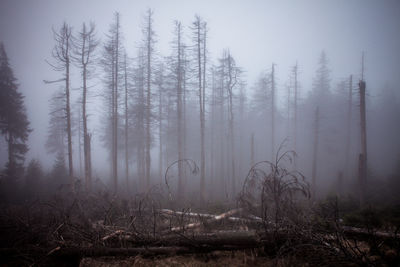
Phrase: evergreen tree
[321,84]
[14,124]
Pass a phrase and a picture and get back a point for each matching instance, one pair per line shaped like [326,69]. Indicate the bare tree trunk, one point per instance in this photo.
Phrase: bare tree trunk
[231,84]
[68,113]
[160,139]
[363,155]
[126,126]
[273,113]
[212,133]
[148,98]
[181,190]
[184,134]
[241,126]
[349,120]
[112,117]
[80,144]
[62,54]
[198,27]
[315,153]
[221,127]
[115,111]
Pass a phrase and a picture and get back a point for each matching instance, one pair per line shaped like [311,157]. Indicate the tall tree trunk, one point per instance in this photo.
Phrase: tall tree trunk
[201,104]
[363,155]
[112,117]
[231,122]
[349,121]
[148,100]
[212,133]
[160,82]
[181,189]
[273,113]
[85,132]
[126,126]
[295,70]
[115,104]
[80,144]
[68,113]
[315,154]
[184,128]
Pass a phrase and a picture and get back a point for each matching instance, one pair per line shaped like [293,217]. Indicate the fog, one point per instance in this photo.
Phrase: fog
[258,36]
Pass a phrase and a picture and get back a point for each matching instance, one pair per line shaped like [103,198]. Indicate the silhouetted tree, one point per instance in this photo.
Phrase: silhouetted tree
[149,49]
[199,31]
[85,45]
[178,77]
[62,57]
[231,78]
[111,63]
[14,124]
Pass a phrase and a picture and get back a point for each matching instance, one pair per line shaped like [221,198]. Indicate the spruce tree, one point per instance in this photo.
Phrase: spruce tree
[14,124]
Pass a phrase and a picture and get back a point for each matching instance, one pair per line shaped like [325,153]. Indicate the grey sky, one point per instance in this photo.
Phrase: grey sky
[256,32]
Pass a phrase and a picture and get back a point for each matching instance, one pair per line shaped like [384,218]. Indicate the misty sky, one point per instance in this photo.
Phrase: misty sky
[256,32]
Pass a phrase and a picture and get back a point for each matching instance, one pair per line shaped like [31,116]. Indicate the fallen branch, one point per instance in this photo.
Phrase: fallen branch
[118,232]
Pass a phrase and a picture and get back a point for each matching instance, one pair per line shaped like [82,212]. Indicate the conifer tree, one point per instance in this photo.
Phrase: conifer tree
[14,124]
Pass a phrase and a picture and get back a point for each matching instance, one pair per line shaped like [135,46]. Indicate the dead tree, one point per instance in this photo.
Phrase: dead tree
[149,48]
[232,78]
[349,125]
[362,164]
[139,106]
[363,155]
[62,56]
[126,130]
[85,46]
[295,111]
[179,82]
[273,112]
[199,29]
[315,153]
[160,82]
[212,126]
[111,65]
[115,102]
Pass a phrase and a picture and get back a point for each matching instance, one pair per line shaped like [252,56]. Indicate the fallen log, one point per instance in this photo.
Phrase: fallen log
[211,220]
[195,215]
[363,233]
[214,239]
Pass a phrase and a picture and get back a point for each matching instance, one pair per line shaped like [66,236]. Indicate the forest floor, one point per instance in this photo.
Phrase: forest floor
[101,230]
